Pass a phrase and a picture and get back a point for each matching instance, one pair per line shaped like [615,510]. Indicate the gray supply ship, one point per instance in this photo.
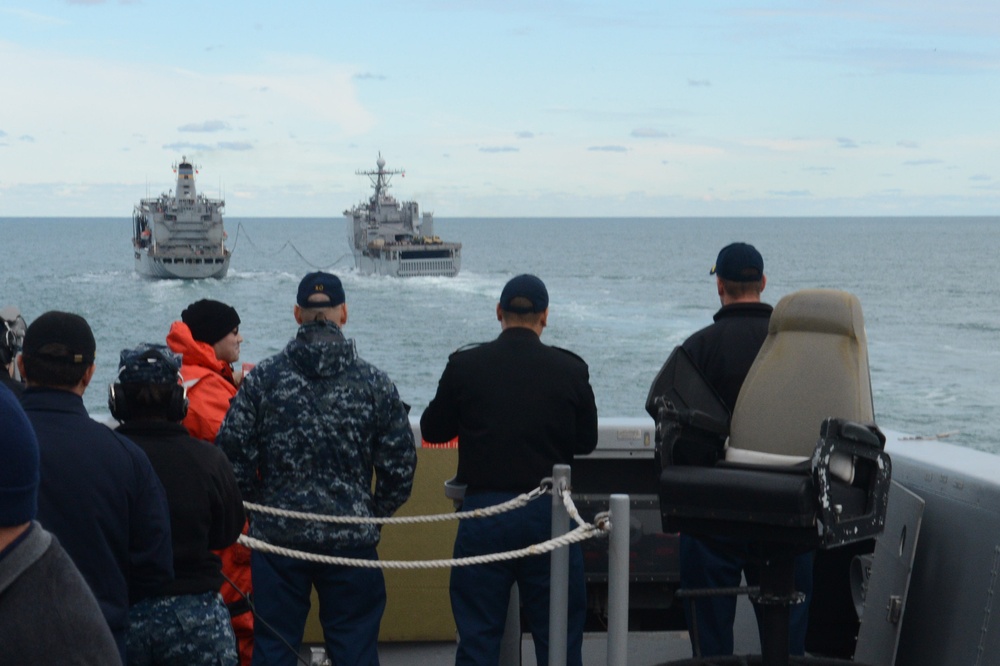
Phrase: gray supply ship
[388,237]
[180,234]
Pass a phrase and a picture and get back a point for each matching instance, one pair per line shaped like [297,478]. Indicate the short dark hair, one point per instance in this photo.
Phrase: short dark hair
[521,318]
[56,374]
[735,289]
[147,401]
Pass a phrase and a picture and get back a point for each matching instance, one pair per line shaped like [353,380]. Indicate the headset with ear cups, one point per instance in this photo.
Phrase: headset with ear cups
[176,408]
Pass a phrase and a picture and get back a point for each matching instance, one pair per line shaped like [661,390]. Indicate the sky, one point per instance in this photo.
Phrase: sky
[505,108]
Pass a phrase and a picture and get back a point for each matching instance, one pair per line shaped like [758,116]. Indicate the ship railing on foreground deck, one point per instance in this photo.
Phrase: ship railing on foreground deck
[563,509]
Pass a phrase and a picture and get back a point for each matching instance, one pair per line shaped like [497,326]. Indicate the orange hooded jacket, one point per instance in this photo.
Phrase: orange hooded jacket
[210,388]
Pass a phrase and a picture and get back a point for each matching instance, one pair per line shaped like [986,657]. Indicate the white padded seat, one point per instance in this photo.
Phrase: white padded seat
[812,365]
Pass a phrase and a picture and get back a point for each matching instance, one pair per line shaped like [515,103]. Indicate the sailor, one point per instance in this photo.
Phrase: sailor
[206,514]
[724,352]
[518,407]
[309,430]
[48,615]
[11,339]
[208,338]
[99,493]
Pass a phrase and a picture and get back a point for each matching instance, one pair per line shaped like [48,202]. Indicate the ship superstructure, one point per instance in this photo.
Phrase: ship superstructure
[389,237]
[180,234]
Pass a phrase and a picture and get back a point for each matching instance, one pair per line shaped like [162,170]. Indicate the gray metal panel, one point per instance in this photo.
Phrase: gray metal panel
[949,604]
[885,581]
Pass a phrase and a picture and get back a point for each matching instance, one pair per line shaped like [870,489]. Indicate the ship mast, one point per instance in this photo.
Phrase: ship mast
[380,181]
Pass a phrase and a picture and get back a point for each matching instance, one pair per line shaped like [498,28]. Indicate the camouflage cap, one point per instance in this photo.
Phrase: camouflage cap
[149,364]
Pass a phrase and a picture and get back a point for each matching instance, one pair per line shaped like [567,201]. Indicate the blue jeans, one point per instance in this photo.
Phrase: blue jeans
[719,562]
[351,603]
[480,593]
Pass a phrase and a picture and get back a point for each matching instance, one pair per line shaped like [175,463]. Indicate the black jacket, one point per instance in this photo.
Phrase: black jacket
[518,407]
[206,508]
[100,496]
[725,350]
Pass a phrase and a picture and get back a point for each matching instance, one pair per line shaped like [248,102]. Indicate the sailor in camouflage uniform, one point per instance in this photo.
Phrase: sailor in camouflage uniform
[307,430]
[518,407]
[187,623]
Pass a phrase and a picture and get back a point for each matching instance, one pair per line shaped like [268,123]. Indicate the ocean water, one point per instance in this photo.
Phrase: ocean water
[623,293]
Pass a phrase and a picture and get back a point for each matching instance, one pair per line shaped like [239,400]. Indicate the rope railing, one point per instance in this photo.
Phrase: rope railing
[511,504]
[584,530]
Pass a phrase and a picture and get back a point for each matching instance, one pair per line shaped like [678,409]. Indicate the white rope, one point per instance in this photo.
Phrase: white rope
[516,503]
[567,498]
[579,534]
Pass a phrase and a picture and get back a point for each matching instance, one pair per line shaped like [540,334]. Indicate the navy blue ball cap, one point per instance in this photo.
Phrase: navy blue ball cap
[326,284]
[739,262]
[149,364]
[531,291]
[62,337]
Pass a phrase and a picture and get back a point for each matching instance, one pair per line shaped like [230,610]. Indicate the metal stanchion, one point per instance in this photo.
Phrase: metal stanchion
[559,572]
[510,646]
[618,561]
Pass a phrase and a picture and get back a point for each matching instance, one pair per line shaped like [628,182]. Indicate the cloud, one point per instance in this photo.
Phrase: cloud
[499,149]
[844,142]
[525,135]
[907,144]
[2,134]
[790,193]
[186,146]
[609,149]
[923,162]
[649,133]
[235,145]
[699,83]
[33,17]
[821,170]
[27,138]
[207,126]
[207,147]
[368,76]
[981,177]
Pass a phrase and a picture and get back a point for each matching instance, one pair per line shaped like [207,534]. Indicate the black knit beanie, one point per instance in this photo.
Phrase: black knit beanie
[210,321]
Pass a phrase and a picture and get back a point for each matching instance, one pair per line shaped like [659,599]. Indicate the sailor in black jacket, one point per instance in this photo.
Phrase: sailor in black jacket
[518,407]
[186,622]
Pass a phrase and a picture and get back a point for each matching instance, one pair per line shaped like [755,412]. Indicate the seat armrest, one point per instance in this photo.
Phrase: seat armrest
[688,436]
[864,443]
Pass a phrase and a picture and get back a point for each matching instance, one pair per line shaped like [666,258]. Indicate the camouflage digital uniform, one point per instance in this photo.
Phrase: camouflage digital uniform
[307,430]
[185,630]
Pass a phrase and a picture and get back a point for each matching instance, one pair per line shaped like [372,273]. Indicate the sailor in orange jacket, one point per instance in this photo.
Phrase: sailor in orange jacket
[208,337]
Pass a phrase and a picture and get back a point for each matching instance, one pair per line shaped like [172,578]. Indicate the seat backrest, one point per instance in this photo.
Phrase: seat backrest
[812,365]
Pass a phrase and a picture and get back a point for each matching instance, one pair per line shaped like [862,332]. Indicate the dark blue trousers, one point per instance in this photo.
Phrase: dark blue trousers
[719,562]
[351,603]
[480,593]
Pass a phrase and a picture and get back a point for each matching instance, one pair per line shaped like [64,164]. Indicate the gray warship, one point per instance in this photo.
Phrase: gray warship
[180,235]
[388,237]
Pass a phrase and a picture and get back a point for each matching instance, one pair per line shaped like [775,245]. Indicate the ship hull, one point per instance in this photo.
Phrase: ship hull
[180,267]
[442,262]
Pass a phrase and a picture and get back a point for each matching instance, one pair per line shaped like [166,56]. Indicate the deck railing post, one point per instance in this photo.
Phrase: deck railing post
[618,562]
[559,572]
[510,646]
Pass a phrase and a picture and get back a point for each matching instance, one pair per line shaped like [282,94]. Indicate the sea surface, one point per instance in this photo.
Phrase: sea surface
[623,294]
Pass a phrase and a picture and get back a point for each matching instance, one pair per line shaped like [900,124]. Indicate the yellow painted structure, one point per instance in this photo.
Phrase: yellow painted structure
[417,604]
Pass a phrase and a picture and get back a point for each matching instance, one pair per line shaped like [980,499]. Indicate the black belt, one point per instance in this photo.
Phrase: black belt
[238,607]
